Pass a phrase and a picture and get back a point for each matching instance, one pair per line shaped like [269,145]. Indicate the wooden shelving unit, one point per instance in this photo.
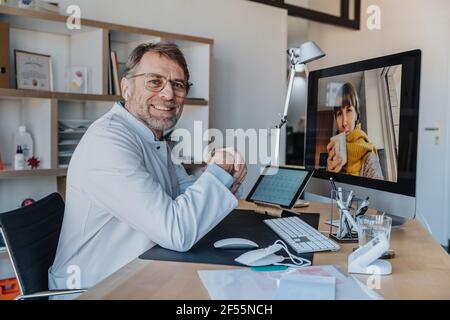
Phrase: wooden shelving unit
[41,111]
[7,173]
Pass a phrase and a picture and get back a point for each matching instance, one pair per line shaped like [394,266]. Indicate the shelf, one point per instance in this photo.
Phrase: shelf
[61,172]
[195,102]
[17,174]
[20,13]
[25,93]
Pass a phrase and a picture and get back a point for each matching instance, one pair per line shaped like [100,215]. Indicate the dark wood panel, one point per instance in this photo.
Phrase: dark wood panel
[342,20]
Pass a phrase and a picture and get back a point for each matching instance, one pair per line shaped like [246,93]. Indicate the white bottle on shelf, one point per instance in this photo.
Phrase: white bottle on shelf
[19,159]
[23,139]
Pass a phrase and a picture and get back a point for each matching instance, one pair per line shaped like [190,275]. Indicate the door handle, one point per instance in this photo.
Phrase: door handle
[437,133]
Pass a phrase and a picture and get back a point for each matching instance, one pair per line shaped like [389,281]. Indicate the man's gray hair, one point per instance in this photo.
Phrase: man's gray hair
[166,49]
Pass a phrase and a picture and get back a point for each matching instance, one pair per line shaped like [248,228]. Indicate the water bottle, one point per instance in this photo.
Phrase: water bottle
[23,139]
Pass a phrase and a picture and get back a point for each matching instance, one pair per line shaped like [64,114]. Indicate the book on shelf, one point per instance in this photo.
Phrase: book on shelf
[110,76]
[121,67]
[115,73]
[110,79]
[4,55]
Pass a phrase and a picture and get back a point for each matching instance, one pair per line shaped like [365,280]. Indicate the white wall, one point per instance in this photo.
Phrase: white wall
[447,172]
[250,44]
[406,25]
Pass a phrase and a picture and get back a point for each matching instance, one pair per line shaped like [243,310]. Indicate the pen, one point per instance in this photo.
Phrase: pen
[349,230]
[363,208]
[333,185]
[349,199]
[350,219]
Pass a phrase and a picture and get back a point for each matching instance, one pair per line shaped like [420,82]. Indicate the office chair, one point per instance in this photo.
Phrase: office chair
[31,236]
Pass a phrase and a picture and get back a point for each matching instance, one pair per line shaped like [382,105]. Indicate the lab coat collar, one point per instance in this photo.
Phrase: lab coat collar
[140,128]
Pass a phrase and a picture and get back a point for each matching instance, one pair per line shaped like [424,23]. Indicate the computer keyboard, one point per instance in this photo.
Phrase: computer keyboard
[301,236]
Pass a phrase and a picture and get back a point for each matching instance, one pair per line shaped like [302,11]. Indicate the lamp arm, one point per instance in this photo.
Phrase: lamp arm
[288,98]
[276,158]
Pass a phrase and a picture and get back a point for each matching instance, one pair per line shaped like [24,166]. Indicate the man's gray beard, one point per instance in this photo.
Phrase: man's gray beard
[161,125]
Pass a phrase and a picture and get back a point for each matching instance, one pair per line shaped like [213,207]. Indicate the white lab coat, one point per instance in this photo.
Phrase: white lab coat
[124,195]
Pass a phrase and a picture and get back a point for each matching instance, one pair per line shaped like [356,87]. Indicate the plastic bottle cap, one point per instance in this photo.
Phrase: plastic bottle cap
[22,129]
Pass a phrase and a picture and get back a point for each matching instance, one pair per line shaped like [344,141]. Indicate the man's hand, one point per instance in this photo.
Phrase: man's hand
[223,159]
[333,165]
[232,162]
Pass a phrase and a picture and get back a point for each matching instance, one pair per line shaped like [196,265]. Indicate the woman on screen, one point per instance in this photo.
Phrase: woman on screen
[361,158]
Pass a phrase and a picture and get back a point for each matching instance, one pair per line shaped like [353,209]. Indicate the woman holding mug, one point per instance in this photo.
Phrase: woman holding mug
[362,156]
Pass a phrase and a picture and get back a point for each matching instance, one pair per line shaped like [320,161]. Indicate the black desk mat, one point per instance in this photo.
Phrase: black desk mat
[238,224]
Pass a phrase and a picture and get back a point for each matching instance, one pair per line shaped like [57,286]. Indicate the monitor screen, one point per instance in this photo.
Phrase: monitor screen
[280,186]
[362,122]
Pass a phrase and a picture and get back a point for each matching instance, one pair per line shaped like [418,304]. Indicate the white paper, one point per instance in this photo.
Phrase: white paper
[300,287]
[245,284]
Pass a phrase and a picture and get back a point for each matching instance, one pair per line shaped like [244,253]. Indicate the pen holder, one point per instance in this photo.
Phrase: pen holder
[339,226]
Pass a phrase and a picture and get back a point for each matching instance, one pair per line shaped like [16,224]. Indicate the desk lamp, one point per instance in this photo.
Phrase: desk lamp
[298,58]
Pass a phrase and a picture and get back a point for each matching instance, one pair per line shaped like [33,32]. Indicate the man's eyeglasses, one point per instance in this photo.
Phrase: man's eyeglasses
[156,83]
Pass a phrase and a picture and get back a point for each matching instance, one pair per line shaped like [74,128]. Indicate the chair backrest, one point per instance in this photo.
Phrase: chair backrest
[31,235]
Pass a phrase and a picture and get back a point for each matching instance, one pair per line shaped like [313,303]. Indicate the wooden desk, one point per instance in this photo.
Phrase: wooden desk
[421,270]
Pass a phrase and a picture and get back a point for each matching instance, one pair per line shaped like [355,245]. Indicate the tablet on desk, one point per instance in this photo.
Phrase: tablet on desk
[280,186]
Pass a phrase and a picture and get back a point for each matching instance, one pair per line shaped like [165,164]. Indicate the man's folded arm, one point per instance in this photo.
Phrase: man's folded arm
[185,180]
[119,182]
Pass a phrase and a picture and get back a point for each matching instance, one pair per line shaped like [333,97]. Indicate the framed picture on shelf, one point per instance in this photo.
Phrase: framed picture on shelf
[33,71]
[77,79]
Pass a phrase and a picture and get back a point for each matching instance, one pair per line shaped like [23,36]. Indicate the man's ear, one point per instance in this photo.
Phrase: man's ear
[124,86]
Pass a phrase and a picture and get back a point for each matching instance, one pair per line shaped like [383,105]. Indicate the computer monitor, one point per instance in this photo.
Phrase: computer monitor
[362,130]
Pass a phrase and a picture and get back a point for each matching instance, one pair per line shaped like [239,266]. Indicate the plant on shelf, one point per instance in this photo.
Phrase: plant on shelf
[33,162]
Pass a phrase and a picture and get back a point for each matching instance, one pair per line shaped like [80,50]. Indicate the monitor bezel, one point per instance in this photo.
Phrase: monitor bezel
[409,120]
[299,192]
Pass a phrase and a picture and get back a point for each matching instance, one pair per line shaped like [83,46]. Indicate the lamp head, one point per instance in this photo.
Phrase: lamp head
[306,53]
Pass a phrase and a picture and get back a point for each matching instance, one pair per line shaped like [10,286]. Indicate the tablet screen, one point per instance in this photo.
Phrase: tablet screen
[280,186]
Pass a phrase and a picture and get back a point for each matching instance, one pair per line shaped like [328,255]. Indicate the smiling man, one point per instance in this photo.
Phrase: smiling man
[124,194]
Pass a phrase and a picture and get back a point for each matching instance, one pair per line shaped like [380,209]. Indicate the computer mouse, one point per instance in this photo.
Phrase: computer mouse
[235,243]
[261,257]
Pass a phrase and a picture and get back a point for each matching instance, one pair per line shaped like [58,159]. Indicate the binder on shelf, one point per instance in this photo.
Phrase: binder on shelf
[4,55]
[42,5]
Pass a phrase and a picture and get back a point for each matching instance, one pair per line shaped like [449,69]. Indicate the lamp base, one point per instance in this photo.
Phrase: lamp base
[378,267]
[301,204]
